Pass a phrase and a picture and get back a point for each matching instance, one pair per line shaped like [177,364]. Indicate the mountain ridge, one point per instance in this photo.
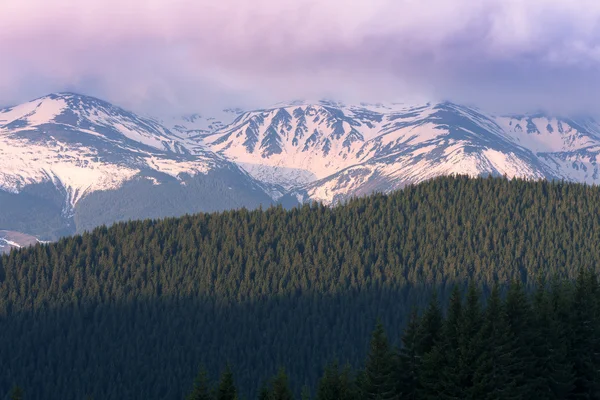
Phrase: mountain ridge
[69,146]
[71,151]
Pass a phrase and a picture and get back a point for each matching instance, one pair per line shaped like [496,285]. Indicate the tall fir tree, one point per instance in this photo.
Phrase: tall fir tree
[470,346]
[202,389]
[553,368]
[280,388]
[226,389]
[496,368]
[408,360]
[441,374]
[520,322]
[336,383]
[379,367]
[264,393]
[431,325]
[585,351]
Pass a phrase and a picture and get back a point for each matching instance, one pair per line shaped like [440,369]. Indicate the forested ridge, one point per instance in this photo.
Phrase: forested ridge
[540,346]
[130,311]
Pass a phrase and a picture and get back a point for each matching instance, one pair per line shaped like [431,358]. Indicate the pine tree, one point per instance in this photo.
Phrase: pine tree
[470,347]
[226,389]
[264,393]
[280,389]
[585,351]
[202,389]
[553,368]
[335,384]
[431,326]
[496,368]
[408,360]
[379,382]
[440,373]
[520,321]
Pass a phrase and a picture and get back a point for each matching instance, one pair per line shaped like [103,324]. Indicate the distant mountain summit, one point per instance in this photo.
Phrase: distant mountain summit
[70,162]
[329,151]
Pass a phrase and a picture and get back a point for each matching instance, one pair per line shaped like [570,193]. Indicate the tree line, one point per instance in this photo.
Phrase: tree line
[129,311]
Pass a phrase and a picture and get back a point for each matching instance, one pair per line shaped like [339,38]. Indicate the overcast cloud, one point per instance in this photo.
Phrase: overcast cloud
[181,56]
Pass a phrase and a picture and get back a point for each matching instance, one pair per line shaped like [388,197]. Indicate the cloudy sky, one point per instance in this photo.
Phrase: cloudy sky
[184,55]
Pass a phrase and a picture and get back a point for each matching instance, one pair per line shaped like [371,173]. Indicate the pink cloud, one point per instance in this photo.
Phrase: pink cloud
[179,52]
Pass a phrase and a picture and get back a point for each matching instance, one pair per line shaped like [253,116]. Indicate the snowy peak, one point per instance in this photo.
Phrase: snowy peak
[82,144]
[87,116]
[542,133]
[327,150]
[316,138]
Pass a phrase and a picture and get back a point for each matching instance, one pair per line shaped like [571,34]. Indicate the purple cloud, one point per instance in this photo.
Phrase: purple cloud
[188,54]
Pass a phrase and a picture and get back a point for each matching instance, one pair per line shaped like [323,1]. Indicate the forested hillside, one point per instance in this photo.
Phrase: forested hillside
[541,346]
[130,311]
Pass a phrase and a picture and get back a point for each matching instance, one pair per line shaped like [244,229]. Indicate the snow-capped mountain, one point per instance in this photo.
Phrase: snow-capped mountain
[76,152]
[70,162]
[328,151]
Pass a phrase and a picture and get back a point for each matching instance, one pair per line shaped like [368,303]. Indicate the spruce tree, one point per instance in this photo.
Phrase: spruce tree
[441,371]
[496,368]
[379,381]
[280,389]
[264,393]
[202,389]
[408,360]
[470,347]
[520,321]
[585,351]
[335,384]
[226,389]
[431,326]
[553,367]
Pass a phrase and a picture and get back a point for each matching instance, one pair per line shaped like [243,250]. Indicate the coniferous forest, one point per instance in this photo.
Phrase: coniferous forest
[543,345]
[478,288]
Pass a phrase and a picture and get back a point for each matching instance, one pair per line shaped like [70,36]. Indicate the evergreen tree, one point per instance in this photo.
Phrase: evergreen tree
[379,381]
[202,388]
[585,351]
[470,346]
[431,326]
[335,384]
[264,392]
[408,362]
[280,389]
[520,322]
[496,368]
[441,372]
[554,370]
[226,389]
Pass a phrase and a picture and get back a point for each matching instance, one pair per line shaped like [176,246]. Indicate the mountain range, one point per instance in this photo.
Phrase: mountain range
[70,162]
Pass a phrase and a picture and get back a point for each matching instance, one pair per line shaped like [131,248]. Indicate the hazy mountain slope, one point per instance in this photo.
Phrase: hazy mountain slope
[328,151]
[69,162]
[15,240]
[82,146]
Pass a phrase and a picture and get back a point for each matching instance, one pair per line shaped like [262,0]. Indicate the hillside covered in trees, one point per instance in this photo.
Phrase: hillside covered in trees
[543,346]
[130,311]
